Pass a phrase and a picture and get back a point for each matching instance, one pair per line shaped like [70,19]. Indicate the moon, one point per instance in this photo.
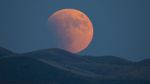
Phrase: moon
[72,28]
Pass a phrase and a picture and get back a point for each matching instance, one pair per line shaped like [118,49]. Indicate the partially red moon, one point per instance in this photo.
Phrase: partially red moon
[73,29]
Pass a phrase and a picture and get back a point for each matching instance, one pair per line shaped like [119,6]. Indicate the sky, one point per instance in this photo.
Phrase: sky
[121,27]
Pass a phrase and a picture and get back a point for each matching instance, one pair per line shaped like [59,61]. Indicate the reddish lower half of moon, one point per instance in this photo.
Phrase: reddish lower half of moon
[74,42]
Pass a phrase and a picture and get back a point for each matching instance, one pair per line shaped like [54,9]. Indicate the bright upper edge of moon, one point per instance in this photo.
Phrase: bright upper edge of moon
[72,29]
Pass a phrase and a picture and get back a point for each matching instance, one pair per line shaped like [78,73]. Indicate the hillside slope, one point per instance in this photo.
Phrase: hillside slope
[4,52]
[105,69]
[61,59]
[109,60]
[99,67]
[24,69]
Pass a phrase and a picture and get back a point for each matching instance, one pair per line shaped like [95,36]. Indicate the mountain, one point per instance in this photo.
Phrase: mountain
[4,52]
[109,60]
[102,69]
[21,69]
[145,62]
[97,67]
[61,59]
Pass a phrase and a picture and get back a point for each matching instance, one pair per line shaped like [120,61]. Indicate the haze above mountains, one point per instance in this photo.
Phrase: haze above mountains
[57,66]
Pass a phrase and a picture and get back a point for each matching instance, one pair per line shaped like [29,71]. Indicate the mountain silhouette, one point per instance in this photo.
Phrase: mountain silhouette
[145,62]
[21,69]
[101,69]
[109,60]
[4,52]
[61,59]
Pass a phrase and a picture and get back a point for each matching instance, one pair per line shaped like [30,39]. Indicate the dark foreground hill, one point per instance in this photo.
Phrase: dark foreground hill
[27,70]
[102,69]
[61,59]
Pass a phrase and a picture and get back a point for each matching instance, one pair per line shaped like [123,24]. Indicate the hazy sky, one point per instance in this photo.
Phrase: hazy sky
[121,27]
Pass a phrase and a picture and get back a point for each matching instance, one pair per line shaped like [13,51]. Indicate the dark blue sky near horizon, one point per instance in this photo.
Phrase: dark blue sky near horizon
[121,27]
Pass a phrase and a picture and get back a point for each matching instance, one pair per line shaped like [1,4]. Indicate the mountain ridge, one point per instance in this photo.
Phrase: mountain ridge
[104,67]
[99,68]
[4,52]
[24,69]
